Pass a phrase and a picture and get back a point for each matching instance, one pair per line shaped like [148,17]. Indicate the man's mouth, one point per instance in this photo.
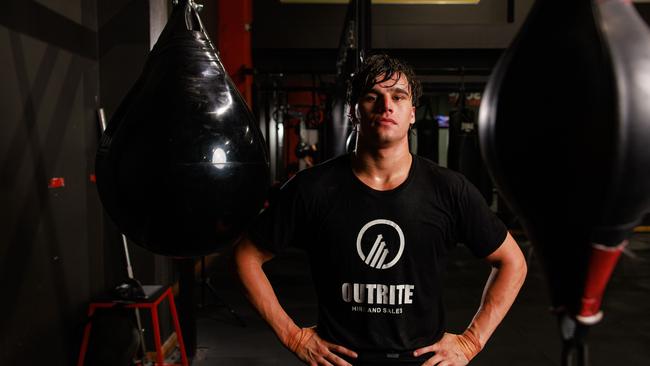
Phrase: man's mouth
[387,121]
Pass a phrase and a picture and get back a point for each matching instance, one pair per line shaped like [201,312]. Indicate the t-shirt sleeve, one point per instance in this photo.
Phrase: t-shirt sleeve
[477,226]
[281,224]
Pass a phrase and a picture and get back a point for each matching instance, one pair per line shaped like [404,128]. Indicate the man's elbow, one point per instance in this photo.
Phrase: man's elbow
[239,253]
[518,265]
[510,259]
[521,268]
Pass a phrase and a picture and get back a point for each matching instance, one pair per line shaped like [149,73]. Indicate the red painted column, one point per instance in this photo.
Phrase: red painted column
[234,43]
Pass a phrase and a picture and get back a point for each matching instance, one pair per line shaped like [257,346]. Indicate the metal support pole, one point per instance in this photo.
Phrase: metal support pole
[363,16]
[101,116]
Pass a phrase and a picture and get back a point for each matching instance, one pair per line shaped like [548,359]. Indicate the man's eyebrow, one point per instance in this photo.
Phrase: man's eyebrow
[401,90]
[395,89]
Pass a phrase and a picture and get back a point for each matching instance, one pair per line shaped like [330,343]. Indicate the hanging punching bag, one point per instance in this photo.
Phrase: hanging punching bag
[464,154]
[565,129]
[182,166]
[428,135]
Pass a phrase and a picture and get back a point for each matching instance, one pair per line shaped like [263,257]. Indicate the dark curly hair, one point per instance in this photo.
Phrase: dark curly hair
[385,66]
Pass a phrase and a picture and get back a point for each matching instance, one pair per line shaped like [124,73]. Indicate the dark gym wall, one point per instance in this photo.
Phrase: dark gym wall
[485,25]
[50,259]
[61,60]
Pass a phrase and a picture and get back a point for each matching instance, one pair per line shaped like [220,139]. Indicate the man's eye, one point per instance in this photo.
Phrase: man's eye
[399,97]
[370,98]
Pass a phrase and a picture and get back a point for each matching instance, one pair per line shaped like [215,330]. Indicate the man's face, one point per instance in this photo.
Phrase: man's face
[386,112]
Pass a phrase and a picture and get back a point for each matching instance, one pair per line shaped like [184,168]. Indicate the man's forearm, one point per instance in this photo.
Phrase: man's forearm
[503,285]
[260,293]
[508,274]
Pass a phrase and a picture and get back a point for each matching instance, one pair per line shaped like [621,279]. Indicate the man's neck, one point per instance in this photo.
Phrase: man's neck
[382,169]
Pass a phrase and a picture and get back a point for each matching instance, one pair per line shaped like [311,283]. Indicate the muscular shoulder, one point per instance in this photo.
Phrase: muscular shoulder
[322,176]
[436,176]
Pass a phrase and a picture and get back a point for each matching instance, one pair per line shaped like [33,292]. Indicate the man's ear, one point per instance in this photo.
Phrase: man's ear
[413,115]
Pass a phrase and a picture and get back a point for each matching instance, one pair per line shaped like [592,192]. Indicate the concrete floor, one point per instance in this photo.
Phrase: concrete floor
[528,336]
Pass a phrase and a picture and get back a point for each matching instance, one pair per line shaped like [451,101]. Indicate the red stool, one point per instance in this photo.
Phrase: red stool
[155,295]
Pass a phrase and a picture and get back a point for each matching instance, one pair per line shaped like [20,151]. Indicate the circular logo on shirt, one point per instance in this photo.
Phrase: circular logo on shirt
[380,243]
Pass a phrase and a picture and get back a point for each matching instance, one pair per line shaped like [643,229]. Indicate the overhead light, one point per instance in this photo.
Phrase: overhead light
[391,2]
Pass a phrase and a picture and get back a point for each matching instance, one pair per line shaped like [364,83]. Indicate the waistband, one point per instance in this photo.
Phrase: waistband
[389,358]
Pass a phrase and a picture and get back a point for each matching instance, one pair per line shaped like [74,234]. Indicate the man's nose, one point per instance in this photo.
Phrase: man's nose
[386,104]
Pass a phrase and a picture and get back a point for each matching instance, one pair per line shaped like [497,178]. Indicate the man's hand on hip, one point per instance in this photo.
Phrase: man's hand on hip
[315,351]
[451,350]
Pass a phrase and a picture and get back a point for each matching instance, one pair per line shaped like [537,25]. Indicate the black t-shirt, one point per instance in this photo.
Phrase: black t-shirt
[377,256]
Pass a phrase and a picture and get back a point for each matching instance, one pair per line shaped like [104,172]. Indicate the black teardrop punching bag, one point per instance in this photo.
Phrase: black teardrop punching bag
[428,135]
[464,154]
[182,166]
[565,129]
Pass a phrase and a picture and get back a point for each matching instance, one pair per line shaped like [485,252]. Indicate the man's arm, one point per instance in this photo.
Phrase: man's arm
[304,342]
[505,280]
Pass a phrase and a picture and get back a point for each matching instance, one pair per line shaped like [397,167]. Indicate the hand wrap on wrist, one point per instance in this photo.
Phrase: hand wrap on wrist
[470,345]
[300,338]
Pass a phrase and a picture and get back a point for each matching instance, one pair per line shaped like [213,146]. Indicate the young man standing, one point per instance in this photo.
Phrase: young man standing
[378,225]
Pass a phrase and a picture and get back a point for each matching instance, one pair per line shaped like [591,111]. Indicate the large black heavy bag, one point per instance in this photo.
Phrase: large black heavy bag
[182,166]
[428,135]
[464,154]
[565,129]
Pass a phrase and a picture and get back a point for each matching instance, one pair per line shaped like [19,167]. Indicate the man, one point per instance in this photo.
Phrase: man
[377,225]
